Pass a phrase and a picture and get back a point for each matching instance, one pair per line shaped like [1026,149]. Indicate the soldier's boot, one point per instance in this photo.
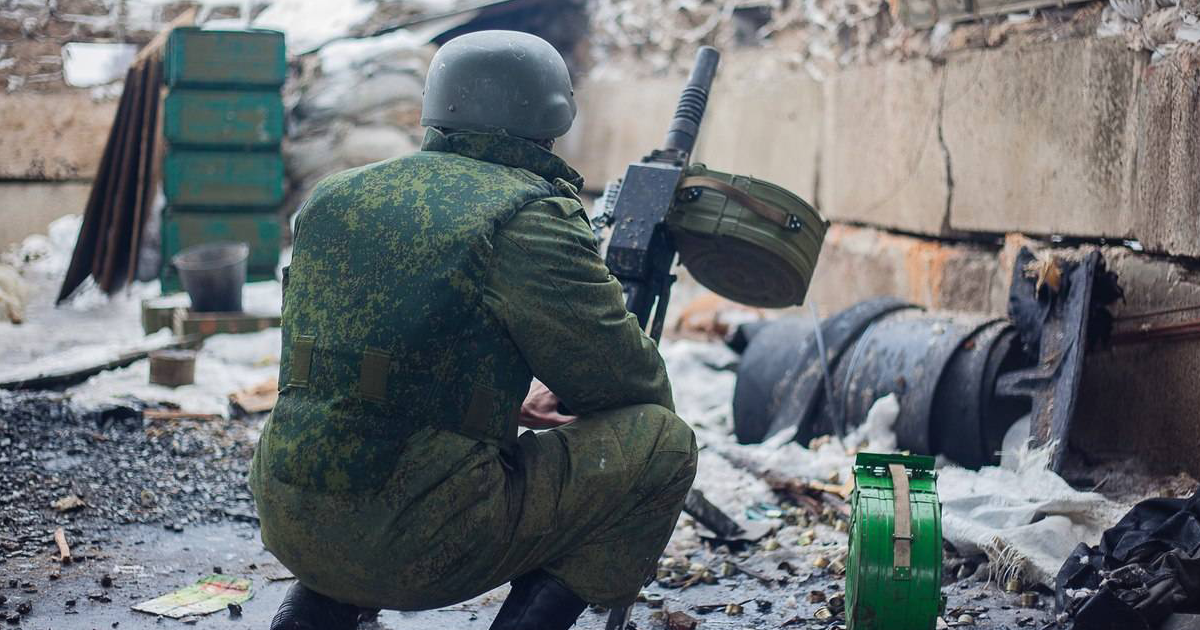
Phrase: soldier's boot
[538,601]
[304,609]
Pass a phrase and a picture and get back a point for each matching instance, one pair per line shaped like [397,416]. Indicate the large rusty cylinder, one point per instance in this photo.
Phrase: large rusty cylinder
[941,366]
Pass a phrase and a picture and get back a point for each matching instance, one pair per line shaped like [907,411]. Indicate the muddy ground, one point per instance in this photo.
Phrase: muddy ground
[164,503]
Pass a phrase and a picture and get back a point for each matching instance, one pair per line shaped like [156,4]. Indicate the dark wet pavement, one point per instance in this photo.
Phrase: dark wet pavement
[146,561]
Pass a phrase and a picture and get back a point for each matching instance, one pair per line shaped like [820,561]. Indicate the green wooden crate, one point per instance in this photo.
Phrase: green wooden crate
[216,178]
[216,58]
[262,231]
[225,119]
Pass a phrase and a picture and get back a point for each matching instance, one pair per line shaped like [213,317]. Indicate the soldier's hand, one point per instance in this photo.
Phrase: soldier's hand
[540,409]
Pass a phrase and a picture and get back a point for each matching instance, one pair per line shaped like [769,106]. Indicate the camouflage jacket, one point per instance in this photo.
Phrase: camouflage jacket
[424,293]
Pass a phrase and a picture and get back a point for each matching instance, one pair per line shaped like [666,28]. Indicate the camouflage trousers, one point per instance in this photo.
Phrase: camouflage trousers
[592,503]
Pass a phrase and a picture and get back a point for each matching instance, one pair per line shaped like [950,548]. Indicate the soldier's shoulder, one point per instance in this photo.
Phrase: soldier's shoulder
[388,171]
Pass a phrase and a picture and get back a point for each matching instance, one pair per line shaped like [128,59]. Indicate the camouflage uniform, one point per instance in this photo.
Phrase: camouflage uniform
[424,293]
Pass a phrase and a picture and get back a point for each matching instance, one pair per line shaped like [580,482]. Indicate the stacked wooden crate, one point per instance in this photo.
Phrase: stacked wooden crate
[223,123]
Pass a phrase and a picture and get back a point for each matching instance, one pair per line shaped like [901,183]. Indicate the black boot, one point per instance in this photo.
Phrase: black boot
[304,609]
[538,602]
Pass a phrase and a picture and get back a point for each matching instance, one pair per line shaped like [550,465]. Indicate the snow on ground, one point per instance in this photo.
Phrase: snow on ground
[226,364]
[93,328]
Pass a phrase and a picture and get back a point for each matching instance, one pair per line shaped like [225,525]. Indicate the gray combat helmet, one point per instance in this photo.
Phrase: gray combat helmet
[499,81]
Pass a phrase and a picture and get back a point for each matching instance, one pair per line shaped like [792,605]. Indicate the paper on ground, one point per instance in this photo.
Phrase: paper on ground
[1026,520]
[209,595]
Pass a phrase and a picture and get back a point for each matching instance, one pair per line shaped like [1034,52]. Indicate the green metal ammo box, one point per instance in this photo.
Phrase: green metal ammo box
[236,59]
[894,571]
[216,178]
[223,119]
[746,239]
[262,231]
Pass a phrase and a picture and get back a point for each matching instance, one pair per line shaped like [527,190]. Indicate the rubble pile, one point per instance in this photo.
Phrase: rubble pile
[1163,27]
[788,568]
[89,471]
[820,35]
[644,37]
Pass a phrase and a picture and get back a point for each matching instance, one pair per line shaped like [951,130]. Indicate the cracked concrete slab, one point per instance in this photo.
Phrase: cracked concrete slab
[882,162]
[1168,158]
[1042,138]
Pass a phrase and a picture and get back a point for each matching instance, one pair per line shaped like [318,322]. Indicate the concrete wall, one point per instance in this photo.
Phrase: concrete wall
[57,136]
[28,208]
[1079,138]
[1040,139]
[50,148]
[924,168]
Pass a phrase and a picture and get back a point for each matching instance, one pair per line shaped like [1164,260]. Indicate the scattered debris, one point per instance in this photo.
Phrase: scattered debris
[679,620]
[64,551]
[1057,327]
[68,503]
[720,525]
[1145,568]
[257,398]
[206,596]
[52,454]
[172,414]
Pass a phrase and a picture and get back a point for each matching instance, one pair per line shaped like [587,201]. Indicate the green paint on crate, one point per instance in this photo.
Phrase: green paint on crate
[262,231]
[215,178]
[215,58]
[223,119]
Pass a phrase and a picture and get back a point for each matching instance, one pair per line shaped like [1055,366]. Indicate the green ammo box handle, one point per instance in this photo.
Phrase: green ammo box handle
[897,467]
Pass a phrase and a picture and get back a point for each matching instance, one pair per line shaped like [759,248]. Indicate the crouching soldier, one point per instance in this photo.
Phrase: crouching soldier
[425,294]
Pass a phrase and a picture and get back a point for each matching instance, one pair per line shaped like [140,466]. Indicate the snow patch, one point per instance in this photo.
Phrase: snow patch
[226,364]
[309,23]
[95,64]
[95,328]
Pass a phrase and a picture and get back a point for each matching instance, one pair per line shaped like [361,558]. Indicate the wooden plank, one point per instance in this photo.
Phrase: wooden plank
[64,550]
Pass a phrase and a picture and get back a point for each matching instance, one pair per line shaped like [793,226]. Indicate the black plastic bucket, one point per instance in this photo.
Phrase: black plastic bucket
[213,275]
